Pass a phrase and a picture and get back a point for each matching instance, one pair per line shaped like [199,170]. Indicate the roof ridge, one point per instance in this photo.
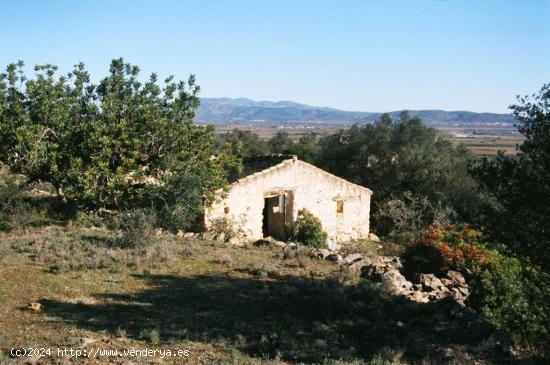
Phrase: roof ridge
[336,177]
[293,159]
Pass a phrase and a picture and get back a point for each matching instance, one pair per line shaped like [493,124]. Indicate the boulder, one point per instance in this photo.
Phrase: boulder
[392,261]
[188,235]
[417,296]
[220,237]
[358,265]
[34,306]
[430,282]
[234,241]
[456,277]
[374,237]
[180,234]
[334,257]
[208,236]
[447,282]
[350,259]
[321,253]
[395,282]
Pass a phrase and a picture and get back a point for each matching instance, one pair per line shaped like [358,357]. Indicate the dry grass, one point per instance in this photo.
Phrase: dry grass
[226,304]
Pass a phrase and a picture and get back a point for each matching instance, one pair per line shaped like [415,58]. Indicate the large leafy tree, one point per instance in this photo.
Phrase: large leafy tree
[119,143]
[400,159]
[520,185]
[244,143]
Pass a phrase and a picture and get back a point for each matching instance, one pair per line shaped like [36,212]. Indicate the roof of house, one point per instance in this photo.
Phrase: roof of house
[255,166]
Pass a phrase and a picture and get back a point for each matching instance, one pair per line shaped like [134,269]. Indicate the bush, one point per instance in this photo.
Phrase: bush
[445,247]
[401,220]
[308,230]
[180,203]
[138,228]
[510,292]
[514,296]
[12,203]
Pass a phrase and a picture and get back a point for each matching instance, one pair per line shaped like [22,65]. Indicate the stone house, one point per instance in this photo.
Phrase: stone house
[265,198]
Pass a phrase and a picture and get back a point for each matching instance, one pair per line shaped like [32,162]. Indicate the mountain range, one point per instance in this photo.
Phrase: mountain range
[223,110]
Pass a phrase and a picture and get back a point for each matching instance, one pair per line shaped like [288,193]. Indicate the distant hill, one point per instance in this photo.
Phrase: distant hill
[218,110]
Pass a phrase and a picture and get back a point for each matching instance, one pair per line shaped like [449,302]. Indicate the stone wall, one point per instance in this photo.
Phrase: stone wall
[307,187]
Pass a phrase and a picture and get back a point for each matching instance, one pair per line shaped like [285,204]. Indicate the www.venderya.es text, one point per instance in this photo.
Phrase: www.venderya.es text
[97,352]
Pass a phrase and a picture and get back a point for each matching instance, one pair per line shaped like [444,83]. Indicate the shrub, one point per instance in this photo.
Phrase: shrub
[401,220]
[513,295]
[181,203]
[509,291]
[308,230]
[137,227]
[12,203]
[445,247]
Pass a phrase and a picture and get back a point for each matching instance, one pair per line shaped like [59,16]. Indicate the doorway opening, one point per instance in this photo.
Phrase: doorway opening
[276,214]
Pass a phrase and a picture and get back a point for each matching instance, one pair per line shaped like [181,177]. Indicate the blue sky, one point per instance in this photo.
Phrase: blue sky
[356,55]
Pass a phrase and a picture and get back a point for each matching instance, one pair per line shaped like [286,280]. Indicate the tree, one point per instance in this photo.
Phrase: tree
[403,159]
[120,143]
[519,187]
[244,143]
[280,143]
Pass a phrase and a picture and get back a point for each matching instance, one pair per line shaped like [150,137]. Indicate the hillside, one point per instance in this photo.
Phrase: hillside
[242,109]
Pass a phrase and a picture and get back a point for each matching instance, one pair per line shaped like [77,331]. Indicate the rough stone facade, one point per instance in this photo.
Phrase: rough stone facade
[266,202]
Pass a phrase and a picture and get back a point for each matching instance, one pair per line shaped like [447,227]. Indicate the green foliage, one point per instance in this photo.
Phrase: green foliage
[308,230]
[12,203]
[447,247]
[120,143]
[509,291]
[244,143]
[138,228]
[306,148]
[280,143]
[396,158]
[401,220]
[514,296]
[518,208]
[179,203]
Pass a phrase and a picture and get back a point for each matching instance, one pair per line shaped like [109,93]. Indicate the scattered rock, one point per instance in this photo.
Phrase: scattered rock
[418,296]
[34,306]
[85,341]
[350,259]
[320,253]
[456,277]
[208,236]
[188,235]
[220,237]
[430,282]
[374,237]
[290,246]
[279,243]
[334,257]
[358,265]
[158,232]
[234,241]
[395,282]
[180,234]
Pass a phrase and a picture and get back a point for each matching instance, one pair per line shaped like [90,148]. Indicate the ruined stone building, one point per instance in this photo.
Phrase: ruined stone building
[265,198]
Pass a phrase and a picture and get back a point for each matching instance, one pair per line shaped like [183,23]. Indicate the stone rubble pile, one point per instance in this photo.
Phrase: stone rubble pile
[386,270]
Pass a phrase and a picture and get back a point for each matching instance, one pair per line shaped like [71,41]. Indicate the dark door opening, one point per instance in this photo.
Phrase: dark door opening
[274,217]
